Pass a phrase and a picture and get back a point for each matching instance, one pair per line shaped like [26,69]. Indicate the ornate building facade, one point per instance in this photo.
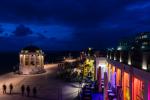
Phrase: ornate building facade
[31,60]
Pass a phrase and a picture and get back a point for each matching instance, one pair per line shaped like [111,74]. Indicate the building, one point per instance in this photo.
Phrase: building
[128,68]
[143,40]
[31,60]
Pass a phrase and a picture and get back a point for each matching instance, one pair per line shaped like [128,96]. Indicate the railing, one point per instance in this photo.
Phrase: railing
[136,58]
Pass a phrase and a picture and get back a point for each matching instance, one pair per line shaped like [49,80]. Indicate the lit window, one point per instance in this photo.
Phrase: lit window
[142,47]
[119,48]
[132,48]
[144,36]
[21,51]
[145,43]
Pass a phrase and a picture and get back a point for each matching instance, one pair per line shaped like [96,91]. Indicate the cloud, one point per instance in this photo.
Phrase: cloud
[139,6]
[94,23]
[1,29]
[74,12]
[22,30]
[41,36]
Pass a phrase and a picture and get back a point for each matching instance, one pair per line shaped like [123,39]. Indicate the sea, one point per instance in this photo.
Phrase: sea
[9,61]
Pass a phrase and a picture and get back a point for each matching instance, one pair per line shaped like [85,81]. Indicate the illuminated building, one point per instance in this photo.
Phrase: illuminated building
[31,60]
[131,63]
[88,68]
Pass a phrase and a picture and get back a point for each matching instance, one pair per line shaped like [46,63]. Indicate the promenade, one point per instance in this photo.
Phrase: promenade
[48,86]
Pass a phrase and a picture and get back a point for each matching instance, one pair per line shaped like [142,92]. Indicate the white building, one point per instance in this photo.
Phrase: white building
[31,60]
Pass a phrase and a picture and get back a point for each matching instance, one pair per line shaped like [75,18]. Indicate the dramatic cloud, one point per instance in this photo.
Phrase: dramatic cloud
[41,36]
[1,29]
[22,30]
[72,24]
[74,12]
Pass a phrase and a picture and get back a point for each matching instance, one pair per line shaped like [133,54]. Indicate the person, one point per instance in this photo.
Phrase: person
[4,89]
[11,88]
[28,90]
[22,89]
[34,91]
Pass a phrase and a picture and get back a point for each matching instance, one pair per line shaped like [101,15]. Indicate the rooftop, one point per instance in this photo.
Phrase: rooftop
[31,48]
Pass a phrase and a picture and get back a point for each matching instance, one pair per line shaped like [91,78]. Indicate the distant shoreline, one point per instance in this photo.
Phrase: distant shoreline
[10,59]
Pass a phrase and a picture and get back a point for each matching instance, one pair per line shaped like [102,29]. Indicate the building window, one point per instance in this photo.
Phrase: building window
[26,59]
[38,60]
[145,43]
[26,51]
[37,51]
[144,36]
[32,59]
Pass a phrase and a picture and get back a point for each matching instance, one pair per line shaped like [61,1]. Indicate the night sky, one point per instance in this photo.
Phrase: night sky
[70,24]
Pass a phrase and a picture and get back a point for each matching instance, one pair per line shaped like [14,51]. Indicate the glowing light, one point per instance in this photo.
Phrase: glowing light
[90,49]
[144,36]
[31,62]
[142,47]
[113,76]
[115,58]
[129,61]
[83,84]
[126,93]
[102,65]
[120,59]
[118,77]
[144,64]
[144,67]
[70,60]
[88,67]
[26,51]
[101,62]
[119,48]
[132,48]
[137,89]
[37,51]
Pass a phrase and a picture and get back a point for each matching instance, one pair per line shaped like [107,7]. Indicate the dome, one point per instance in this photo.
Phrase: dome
[31,48]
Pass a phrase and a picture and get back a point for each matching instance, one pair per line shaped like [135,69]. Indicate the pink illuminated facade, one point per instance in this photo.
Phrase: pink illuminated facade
[135,83]
[149,91]
[131,60]
[137,89]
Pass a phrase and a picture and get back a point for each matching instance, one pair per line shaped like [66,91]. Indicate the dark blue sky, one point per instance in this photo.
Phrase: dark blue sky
[70,24]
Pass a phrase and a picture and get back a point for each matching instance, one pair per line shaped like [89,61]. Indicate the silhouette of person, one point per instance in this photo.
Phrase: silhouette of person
[34,91]
[28,90]
[4,89]
[22,89]
[11,88]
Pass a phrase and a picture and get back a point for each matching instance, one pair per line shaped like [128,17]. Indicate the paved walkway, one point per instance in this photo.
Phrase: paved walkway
[49,87]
